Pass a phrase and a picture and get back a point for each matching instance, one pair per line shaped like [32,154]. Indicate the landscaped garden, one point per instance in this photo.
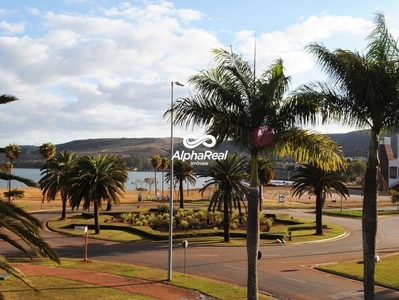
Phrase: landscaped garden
[193,224]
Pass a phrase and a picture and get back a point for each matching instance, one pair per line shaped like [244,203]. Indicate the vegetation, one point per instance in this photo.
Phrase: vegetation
[55,177]
[156,162]
[395,198]
[230,176]
[94,180]
[52,287]
[182,172]
[14,221]
[233,104]
[384,275]
[311,179]
[362,90]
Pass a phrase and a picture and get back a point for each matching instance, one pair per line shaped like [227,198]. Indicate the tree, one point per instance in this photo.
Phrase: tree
[55,177]
[182,171]
[266,174]
[97,179]
[395,198]
[164,165]
[47,150]
[230,176]
[233,103]
[361,90]
[156,163]
[313,180]
[12,152]
[14,221]
[20,223]
[149,181]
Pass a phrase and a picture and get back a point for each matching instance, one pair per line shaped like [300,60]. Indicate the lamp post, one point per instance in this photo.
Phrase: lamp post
[171,184]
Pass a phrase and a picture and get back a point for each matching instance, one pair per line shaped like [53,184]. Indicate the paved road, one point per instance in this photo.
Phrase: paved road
[285,271]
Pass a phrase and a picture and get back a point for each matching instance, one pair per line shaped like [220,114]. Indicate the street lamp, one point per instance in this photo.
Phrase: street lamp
[171,184]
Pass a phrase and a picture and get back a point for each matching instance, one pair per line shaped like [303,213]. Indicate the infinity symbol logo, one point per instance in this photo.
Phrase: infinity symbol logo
[191,141]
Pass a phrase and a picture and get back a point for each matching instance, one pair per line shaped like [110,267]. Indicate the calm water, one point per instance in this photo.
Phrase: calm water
[34,174]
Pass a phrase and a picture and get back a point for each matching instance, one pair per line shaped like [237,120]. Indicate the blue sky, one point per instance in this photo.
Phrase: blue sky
[100,69]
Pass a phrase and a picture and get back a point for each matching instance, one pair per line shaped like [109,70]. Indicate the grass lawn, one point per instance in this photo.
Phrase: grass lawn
[56,288]
[386,271]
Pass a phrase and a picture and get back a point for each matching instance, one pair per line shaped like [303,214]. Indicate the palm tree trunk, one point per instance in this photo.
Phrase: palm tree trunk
[96,217]
[226,216]
[319,203]
[369,217]
[253,243]
[64,205]
[369,230]
[181,193]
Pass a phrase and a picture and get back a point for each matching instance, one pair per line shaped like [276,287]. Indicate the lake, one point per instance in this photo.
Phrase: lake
[134,176]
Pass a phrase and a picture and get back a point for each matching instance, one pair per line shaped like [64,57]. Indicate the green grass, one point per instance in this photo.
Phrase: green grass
[357,213]
[60,289]
[386,271]
[118,234]
[52,287]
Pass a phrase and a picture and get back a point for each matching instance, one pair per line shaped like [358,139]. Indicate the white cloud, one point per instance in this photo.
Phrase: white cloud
[107,72]
[12,27]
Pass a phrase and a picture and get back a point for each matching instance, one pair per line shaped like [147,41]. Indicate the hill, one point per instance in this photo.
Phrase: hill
[354,143]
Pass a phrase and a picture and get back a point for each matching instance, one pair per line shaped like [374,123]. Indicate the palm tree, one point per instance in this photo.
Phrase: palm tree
[12,152]
[313,180]
[266,174]
[47,150]
[230,176]
[232,103]
[182,171]
[164,165]
[97,179]
[362,90]
[16,221]
[156,162]
[55,177]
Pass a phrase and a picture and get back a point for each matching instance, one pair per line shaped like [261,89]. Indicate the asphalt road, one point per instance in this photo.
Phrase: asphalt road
[285,270]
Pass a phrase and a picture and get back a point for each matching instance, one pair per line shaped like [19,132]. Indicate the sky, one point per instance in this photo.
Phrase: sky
[85,69]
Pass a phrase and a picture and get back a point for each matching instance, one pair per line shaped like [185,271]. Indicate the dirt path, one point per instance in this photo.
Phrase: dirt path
[156,290]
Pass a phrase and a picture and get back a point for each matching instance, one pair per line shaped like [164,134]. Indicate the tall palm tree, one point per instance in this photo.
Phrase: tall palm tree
[266,174]
[362,90]
[55,177]
[230,176]
[97,179]
[156,162]
[233,103]
[16,221]
[12,152]
[309,178]
[182,172]
[47,150]
[164,165]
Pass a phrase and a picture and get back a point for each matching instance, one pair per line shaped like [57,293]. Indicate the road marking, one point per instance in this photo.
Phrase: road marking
[295,280]
[320,252]
[233,267]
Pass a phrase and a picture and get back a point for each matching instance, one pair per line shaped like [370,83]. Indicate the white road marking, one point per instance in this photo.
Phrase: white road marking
[295,280]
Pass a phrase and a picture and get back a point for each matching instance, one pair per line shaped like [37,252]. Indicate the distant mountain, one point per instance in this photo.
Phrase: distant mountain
[354,143]
[357,142]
